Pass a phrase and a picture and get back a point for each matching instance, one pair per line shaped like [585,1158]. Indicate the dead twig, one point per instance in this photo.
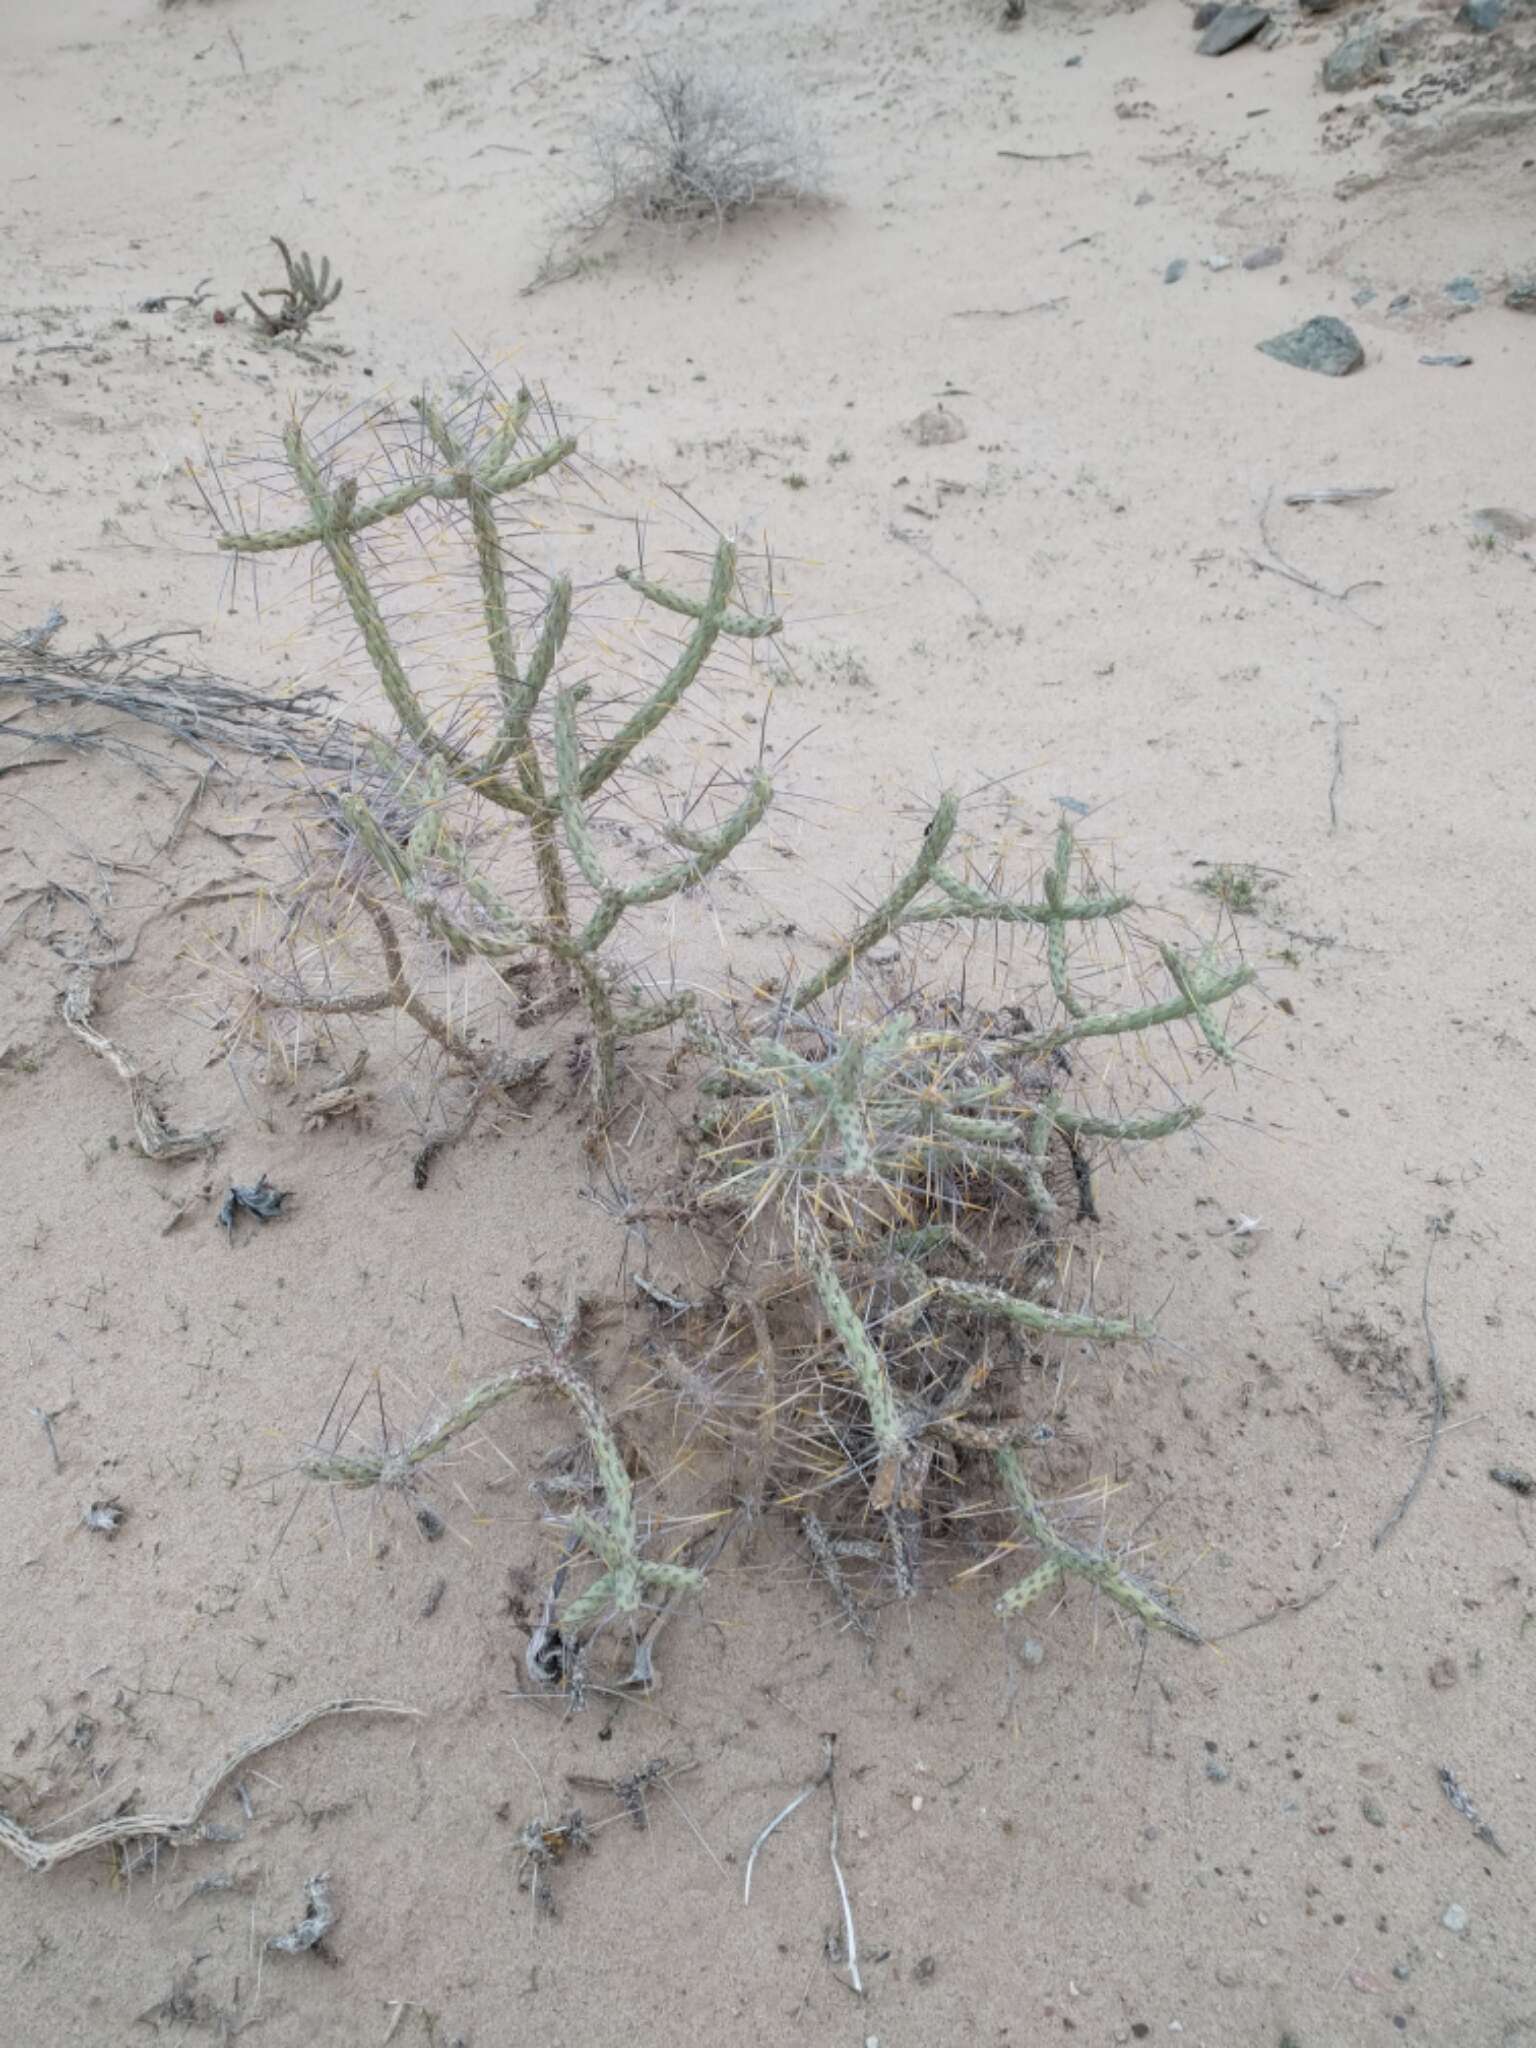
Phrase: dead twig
[38,1854]
[783,1815]
[143,680]
[156,1138]
[850,1935]
[1005,312]
[48,1417]
[1437,1418]
[1338,494]
[1280,1607]
[1277,565]
[161,302]
[827,1776]
[1338,764]
[824,1553]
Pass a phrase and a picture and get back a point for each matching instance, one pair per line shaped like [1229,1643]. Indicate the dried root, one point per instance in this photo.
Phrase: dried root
[155,1138]
[39,1854]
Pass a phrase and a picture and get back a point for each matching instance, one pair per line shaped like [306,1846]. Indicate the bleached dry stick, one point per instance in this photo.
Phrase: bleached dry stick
[37,1854]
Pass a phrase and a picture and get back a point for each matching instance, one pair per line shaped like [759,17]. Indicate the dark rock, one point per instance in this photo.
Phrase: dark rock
[1265,258]
[1325,344]
[1521,295]
[1318,6]
[1481,16]
[1233,25]
[1204,16]
[1360,60]
[1175,270]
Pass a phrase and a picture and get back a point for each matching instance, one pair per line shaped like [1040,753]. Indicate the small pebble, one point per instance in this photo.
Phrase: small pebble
[1175,270]
[1374,1812]
[1464,291]
[1455,1919]
[917,1802]
[1032,1650]
[1401,1972]
[1265,258]
[1217,1773]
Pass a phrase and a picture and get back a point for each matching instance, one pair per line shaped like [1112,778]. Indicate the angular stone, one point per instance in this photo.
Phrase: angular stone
[1360,60]
[1325,344]
[1233,25]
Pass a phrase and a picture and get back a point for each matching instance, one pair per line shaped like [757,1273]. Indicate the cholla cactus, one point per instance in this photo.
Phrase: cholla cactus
[915,1172]
[537,771]
[613,1538]
[307,293]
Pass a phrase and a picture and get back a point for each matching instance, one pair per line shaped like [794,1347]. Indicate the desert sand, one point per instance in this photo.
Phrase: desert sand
[1100,593]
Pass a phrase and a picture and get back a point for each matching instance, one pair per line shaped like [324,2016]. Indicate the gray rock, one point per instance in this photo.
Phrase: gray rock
[1205,15]
[1233,25]
[1521,295]
[1456,1919]
[1318,6]
[1481,16]
[1325,344]
[1446,362]
[1502,524]
[1364,296]
[1265,258]
[1360,60]
[1464,290]
[1175,270]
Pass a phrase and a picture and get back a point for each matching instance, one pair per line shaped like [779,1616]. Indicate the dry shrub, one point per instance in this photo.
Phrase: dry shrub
[702,140]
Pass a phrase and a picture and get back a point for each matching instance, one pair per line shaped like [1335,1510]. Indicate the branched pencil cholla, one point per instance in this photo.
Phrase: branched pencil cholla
[892,1174]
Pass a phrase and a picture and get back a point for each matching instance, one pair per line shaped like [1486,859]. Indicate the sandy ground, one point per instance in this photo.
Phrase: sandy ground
[1245,1843]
